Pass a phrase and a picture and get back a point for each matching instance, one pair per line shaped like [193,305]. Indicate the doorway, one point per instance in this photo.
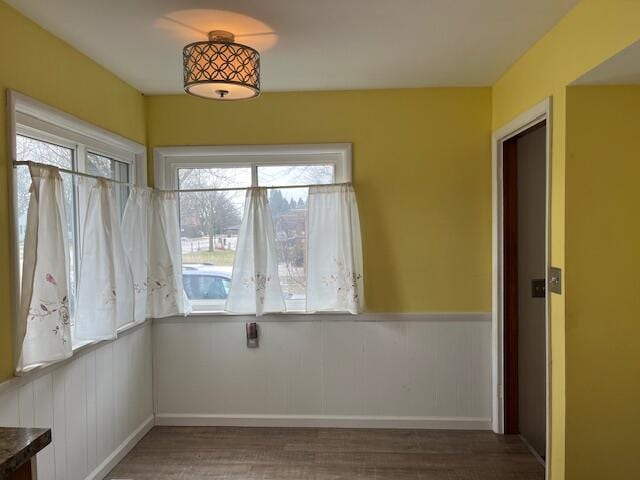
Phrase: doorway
[524,194]
[520,139]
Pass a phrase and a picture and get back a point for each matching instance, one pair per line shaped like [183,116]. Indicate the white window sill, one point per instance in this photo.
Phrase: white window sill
[78,350]
[221,313]
[121,331]
[290,316]
[216,307]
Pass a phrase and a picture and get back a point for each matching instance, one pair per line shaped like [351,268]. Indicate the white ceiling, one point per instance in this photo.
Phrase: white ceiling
[308,44]
[621,69]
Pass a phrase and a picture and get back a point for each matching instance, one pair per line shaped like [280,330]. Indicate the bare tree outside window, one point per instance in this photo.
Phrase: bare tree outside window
[32,150]
[210,220]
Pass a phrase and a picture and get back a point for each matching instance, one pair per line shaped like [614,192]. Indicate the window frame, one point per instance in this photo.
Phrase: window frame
[168,160]
[31,118]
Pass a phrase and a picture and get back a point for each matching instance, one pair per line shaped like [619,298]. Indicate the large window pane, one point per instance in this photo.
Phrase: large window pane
[107,167]
[30,149]
[270,175]
[289,211]
[209,224]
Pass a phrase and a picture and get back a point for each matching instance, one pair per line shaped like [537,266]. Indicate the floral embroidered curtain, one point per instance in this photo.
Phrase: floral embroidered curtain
[132,270]
[117,284]
[334,280]
[334,263]
[105,283]
[165,294]
[255,284]
[136,222]
[44,333]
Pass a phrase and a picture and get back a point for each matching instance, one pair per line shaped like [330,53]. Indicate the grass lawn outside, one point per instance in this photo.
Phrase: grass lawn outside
[221,258]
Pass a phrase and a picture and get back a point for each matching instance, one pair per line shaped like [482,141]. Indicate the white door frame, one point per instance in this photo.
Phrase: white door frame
[540,112]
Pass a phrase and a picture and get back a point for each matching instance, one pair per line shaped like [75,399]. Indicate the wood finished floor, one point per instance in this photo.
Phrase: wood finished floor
[230,453]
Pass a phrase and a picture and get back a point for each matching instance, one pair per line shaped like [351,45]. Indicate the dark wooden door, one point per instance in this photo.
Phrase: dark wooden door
[510,262]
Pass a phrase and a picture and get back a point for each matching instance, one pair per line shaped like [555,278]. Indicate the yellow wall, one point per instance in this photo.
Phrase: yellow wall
[603,283]
[421,162]
[591,33]
[422,170]
[40,65]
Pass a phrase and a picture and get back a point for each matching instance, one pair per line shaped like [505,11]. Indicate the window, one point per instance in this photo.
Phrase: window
[103,166]
[210,219]
[41,151]
[31,149]
[44,135]
[289,211]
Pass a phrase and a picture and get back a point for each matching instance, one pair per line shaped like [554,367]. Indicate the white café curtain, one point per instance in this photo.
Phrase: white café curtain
[105,283]
[165,294]
[255,284]
[117,283]
[43,330]
[136,222]
[334,263]
[132,271]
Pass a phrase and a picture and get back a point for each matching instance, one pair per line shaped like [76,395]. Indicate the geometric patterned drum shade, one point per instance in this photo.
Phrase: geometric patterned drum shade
[221,69]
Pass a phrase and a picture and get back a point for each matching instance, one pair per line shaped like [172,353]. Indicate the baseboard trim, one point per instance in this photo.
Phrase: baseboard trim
[330,421]
[121,451]
[533,450]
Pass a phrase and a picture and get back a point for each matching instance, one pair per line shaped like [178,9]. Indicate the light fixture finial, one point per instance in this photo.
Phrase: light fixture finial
[221,36]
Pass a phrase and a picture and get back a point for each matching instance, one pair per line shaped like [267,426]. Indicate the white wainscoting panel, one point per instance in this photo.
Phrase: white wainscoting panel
[376,370]
[98,405]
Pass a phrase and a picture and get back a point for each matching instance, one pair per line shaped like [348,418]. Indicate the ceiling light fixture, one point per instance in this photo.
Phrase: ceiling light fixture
[221,69]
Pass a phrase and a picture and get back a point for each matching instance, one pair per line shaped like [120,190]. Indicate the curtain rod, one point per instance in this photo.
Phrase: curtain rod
[270,187]
[74,172]
[179,190]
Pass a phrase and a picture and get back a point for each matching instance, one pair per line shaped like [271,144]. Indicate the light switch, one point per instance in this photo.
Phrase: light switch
[252,335]
[555,280]
[538,288]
